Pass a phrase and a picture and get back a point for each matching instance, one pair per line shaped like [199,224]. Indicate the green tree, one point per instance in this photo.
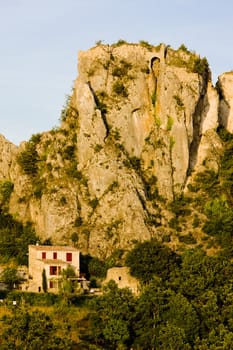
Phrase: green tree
[67,284]
[112,318]
[10,277]
[159,311]
[31,331]
[28,159]
[220,222]
[181,314]
[196,273]
[151,258]
[97,267]
[44,281]
[218,338]
[6,188]
[149,308]
[206,305]
[171,337]
[15,238]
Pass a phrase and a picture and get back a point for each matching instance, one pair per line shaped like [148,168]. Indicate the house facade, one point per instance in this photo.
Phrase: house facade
[52,260]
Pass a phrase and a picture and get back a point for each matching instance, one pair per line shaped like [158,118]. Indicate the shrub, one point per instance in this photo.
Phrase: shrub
[179,206]
[98,148]
[69,152]
[200,65]
[94,202]
[171,142]
[196,221]
[113,185]
[28,159]
[99,42]
[122,69]
[153,98]
[6,188]
[78,222]
[35,138]
[38,187]
[145,70]
[187,239]
[208,181]
[73,172]
[63,200]
[170,122]
[119,89]
[158,121]
[179,101]
[116,134]
[166,238]
[145,44]
[68,110]
[35,299]
[101,105]
[120,42]
[174,223]
[183,48]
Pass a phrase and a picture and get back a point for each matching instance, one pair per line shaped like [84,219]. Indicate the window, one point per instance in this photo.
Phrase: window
[68,256]
[53,284]
[43,255]
[53,270]
[54,255]
[119,278]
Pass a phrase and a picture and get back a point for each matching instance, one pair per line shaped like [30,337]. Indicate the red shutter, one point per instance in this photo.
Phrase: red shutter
[55,255]
[68,256]
[43,255]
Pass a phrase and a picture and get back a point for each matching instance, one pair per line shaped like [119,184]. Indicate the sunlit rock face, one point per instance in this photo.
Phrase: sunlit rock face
[140,123]
[225,86]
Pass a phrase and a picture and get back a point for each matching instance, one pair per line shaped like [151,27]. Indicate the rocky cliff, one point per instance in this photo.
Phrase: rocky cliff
[141,123]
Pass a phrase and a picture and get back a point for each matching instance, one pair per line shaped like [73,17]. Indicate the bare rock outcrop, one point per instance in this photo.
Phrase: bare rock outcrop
[225,87]
[140,123]
[7,154]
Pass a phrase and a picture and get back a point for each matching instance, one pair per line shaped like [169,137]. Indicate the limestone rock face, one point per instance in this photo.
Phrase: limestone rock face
[140,123]
[225,85]
[7,154]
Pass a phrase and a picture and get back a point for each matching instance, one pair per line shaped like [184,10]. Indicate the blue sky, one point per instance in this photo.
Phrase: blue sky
[40,39]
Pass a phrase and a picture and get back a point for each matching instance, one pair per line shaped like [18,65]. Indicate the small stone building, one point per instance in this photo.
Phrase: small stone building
[123,279]
[52,259]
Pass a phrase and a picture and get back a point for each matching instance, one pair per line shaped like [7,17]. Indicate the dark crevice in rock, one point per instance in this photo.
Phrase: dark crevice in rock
[153,60]
[223,107]
[141,199]
[197,122]
[101,109]
[172,167]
